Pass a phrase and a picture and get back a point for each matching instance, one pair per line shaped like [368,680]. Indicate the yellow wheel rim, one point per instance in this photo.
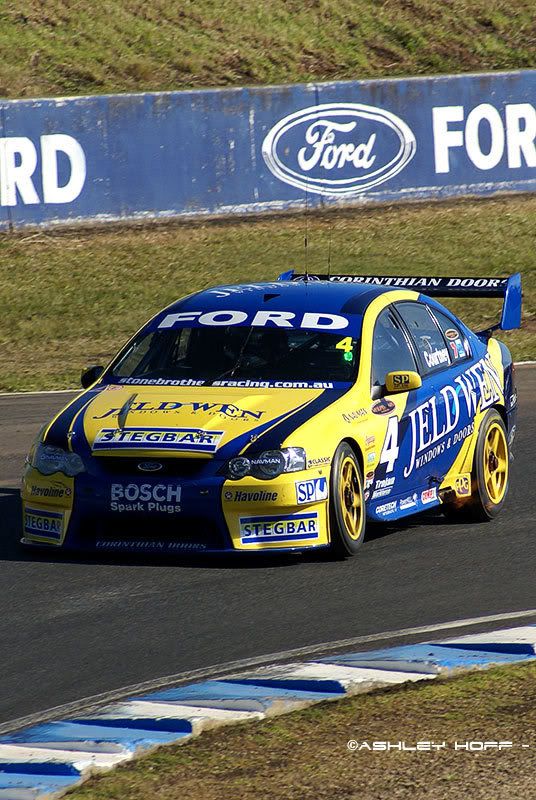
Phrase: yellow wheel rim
[495,463]
[350,496]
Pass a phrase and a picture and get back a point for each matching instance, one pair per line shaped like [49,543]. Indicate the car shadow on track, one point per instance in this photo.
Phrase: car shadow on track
[12,550]
[377,530]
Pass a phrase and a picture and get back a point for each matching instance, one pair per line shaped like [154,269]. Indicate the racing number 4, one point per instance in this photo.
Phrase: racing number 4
[345,344]
[390,448]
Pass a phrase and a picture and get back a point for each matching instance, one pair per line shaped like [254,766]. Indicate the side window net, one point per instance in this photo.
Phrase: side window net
[428,339]
[390,351]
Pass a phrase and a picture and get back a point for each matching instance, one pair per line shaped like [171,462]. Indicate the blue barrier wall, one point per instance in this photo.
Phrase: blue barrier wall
[236,151]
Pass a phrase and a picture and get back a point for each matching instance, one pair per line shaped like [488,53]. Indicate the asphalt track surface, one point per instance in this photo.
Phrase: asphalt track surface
[73,627]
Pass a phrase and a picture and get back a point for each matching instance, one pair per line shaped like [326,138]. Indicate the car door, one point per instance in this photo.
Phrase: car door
[390,491]
[430,413]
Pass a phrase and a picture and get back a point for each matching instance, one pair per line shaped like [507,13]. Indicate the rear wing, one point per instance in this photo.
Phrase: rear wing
[509,289]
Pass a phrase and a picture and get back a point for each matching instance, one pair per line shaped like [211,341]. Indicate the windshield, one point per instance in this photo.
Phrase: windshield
[229,355]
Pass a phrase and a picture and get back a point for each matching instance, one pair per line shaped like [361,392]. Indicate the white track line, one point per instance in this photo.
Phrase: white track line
[30,394]
[221,671]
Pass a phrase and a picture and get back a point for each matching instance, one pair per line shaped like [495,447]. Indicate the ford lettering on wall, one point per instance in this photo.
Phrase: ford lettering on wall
[338,148]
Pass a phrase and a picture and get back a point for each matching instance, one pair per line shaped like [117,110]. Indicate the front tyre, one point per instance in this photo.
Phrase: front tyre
[347,503]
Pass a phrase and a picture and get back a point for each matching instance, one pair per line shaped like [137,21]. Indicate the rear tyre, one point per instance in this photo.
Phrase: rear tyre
[347,503]
[489,480]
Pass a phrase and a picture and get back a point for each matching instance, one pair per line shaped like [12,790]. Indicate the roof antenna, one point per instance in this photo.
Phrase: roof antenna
[329,251]
[306,227]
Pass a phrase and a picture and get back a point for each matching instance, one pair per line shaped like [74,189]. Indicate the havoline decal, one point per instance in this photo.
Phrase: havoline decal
[338,148]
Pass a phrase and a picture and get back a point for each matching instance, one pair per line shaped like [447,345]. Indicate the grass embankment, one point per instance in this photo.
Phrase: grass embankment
[77,46]
[304,756]
[72,299]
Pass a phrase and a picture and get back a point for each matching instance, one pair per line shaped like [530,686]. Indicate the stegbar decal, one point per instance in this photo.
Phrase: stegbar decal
[43,523]
[280,528]
[188,439]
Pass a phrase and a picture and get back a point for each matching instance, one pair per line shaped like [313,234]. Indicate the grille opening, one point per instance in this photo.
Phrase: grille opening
[127,465]
[177,528]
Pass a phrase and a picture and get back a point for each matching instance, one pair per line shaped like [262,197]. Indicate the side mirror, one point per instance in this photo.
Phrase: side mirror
[402,382]
[90,375]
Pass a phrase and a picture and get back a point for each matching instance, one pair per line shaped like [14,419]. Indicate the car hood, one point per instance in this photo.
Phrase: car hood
[189,422]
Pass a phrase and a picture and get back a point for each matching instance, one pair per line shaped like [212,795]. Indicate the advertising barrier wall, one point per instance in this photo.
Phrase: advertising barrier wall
[237,151]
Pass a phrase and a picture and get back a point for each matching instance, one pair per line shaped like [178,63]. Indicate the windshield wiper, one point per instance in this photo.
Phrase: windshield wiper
[231,371]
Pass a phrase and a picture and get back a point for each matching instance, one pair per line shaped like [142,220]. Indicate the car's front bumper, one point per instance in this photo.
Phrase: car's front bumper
[126,512]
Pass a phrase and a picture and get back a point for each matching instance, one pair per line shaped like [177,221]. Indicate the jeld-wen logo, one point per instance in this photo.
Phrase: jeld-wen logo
[338,148]
[59,158]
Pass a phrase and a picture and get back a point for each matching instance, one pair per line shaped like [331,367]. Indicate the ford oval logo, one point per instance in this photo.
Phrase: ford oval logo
[150,466]
[338,148]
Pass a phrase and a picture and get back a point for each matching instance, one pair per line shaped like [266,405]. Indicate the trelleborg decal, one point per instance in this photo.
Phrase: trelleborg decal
[338,149]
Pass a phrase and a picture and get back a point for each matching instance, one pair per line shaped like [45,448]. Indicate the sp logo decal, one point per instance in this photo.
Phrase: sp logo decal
[338,148]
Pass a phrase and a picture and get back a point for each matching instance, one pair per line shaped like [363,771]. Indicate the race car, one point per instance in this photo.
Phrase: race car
[282,416]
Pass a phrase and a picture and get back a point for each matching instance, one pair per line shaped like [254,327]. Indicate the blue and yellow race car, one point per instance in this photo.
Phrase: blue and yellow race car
[282,416]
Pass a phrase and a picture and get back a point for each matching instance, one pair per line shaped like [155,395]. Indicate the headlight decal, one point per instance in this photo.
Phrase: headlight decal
[48,460]
[269,464]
